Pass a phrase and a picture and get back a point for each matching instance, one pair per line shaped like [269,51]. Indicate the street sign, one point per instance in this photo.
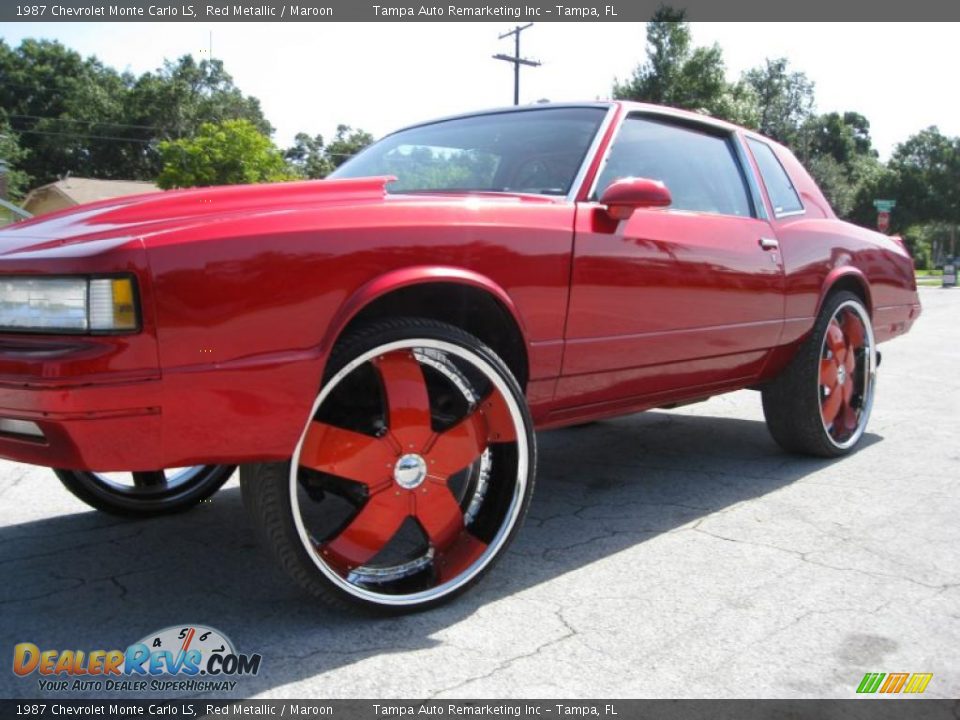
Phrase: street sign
[883,221]
[950,273]
[884,205]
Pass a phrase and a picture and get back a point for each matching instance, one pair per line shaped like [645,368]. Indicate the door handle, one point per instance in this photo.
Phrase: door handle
[769,243]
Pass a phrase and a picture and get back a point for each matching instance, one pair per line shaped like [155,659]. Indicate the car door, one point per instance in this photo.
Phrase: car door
[688,297]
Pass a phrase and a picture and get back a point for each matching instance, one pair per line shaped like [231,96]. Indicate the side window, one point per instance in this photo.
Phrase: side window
[782,194]
[700,169]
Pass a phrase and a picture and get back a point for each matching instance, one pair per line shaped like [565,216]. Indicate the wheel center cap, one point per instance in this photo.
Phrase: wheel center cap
[410,471]
[841,375]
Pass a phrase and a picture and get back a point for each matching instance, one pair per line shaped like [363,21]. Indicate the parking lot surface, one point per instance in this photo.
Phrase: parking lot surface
[667,554]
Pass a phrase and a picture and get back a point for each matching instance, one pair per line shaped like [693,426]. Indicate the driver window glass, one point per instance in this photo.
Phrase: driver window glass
[700,169]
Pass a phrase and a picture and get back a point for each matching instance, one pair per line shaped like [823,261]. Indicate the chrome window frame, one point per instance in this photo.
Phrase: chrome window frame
[757,209]
[577,181]
[581,175]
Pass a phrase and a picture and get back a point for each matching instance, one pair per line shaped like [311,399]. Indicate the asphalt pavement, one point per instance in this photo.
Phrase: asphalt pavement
[667,554]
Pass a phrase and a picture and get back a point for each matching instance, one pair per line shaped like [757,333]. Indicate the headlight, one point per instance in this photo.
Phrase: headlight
[70,305]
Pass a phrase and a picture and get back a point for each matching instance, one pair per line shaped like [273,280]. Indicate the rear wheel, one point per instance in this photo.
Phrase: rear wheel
[821,403]
[411,476]
[144,494]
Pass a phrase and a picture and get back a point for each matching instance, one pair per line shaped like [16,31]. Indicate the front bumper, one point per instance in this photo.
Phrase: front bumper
[102,404]
[96,402]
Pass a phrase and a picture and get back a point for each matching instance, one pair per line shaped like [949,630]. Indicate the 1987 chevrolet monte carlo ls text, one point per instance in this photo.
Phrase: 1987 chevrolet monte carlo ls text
[376,349]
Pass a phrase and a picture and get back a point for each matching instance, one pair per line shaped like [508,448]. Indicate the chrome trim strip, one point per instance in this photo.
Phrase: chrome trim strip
[591,152]
[606,156]
[749,175]
[802,211]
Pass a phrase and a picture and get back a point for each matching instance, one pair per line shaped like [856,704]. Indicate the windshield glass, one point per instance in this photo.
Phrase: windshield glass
[535,151]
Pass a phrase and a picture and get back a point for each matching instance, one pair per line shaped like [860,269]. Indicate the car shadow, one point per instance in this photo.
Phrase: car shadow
[89,581]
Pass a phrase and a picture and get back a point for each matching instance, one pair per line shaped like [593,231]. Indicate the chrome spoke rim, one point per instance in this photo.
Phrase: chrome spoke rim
[453,480]
[846,377]
[149,483]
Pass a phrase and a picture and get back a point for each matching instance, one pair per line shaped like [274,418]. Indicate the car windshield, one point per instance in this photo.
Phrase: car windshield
[535,151]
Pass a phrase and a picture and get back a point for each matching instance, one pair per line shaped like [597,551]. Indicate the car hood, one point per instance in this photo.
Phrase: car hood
[119,220]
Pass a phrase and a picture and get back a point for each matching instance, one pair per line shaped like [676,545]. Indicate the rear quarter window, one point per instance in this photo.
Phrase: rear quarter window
[783,195]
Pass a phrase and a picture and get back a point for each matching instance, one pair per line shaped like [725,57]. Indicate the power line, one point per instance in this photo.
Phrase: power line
[88,122]
[83,135]
[516,59]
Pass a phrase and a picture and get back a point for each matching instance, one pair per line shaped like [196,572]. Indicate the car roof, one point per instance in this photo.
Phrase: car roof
[627,105]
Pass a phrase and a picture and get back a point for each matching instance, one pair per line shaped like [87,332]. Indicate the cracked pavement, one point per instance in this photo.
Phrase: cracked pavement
[667,554]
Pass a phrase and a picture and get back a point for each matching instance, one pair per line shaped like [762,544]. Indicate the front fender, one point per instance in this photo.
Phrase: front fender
[407,277]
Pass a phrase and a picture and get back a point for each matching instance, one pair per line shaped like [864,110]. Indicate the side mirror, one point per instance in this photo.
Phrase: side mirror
[625,195]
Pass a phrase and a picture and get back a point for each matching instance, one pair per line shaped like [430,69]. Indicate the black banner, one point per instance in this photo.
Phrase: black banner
[865,709]
[465,10]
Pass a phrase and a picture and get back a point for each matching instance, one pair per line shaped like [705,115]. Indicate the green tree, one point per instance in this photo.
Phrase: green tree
[680,75]
[76,115]
[12,157]
[927,170]
[784,99]
[838,151]
[844,137]
[923,176]
[177,99]
[226,153]
[63,107]
[346,143]
[308,156]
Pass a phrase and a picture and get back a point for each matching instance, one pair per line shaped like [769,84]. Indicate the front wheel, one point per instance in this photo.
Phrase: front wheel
[145,494]
[412,474]
[821,402]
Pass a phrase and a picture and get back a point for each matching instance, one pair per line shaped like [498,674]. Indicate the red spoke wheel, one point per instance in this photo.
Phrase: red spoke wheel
[838,360]
[411,476]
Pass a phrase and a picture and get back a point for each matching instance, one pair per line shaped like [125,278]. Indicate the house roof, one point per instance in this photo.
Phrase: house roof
[83,190]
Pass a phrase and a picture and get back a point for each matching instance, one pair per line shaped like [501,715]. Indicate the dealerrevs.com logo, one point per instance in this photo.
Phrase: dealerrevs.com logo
[182,657]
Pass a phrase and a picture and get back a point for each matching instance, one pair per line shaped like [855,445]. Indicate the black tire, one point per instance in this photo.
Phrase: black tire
[279,495]
[150,493]
[795,403]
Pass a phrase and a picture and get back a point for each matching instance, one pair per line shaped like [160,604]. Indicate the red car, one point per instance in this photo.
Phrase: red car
[377,349]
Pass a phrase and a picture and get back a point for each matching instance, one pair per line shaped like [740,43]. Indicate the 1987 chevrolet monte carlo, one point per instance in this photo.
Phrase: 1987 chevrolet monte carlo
[377,349]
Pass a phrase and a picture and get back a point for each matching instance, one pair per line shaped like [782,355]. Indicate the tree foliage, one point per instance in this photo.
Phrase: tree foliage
[838,151]
[923,175]
[76,115]
[226,153]
[12,156]
[311,158]
[346,143]
[680,75]
[785,100]
[927,178]
[308,156]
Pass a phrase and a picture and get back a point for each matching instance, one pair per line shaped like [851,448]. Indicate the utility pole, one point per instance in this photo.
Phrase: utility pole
[516,59]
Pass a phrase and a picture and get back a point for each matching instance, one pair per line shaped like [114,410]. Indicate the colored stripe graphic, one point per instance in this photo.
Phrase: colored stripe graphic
[894,683]
[918,682]
[870,682]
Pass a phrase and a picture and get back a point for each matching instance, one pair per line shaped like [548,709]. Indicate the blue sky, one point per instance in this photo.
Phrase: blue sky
[380,76]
